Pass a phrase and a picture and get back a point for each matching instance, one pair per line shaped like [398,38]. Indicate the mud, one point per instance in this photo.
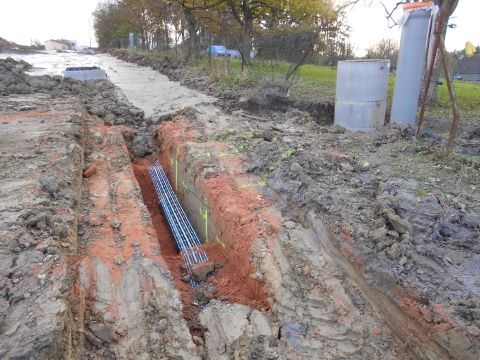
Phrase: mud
[311,306]
[82,273]
[412,235]
[324,244]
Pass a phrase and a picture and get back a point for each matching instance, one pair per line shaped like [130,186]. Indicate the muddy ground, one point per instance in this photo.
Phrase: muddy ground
[404,214]
[82,274]
[324,243]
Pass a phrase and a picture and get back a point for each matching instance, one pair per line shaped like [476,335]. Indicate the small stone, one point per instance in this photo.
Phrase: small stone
[268,135]
[394,252]
[116,224]
[50,184]
[296,168]
[42,278]
[400,225]
[378,234]
[88,172]
[198,341]
[201,271]
[162,325]
[136,244]
[363,166]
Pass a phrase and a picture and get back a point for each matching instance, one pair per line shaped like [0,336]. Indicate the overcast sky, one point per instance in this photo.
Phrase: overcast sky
[25,20]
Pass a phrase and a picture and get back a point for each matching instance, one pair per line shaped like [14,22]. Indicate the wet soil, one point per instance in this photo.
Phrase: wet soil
[399,213]
[404,215]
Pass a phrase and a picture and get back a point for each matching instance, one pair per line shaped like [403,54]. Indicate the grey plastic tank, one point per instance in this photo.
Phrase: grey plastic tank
[361,95]
[410,67]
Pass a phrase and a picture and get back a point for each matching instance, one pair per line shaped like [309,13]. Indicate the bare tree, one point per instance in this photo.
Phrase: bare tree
[384,49]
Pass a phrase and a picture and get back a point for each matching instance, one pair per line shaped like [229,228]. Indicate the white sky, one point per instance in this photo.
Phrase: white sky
[25,20]
[369,24]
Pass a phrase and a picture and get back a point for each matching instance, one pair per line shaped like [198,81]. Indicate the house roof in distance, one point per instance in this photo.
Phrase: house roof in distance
[469,65]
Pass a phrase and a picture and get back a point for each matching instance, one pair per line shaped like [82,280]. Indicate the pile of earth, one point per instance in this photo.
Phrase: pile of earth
[407,215]
[260,97]
[100,97]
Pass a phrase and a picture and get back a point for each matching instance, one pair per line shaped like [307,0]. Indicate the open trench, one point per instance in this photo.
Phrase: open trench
[129,258]
[225,283]
[309,299]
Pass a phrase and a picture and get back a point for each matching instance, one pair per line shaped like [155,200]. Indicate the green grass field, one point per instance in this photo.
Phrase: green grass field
[318,82]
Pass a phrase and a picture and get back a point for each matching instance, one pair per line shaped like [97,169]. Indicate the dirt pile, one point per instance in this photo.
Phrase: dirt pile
[41,160]
[101,98]
[406,217]
[82,273]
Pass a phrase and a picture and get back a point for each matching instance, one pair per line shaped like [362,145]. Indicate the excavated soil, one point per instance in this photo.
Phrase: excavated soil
[327,244]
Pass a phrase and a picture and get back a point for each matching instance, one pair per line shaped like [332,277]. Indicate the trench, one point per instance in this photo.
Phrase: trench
[225,283]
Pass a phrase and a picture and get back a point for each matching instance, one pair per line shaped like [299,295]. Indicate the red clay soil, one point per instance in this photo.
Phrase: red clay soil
[227,279]
[105,243]
[167,244]
[33,115]
[241,214]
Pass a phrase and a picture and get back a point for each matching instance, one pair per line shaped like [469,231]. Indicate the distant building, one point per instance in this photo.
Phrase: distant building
[59,45]
[468,68]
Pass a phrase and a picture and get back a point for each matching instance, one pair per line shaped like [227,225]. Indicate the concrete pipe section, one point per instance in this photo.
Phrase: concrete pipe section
[361,97]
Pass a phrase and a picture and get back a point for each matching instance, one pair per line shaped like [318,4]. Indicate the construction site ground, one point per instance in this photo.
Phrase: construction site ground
[324,244]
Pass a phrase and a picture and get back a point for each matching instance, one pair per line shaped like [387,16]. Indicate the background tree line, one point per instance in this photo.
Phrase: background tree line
[296,31]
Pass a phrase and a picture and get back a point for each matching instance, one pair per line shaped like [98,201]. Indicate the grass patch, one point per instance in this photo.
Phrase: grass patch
[422,193]
[315,81]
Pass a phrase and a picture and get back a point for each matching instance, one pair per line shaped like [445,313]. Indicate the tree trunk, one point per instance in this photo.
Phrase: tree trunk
[449,6]
[167,38]
[432,95]
[192,33]
[247,31]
